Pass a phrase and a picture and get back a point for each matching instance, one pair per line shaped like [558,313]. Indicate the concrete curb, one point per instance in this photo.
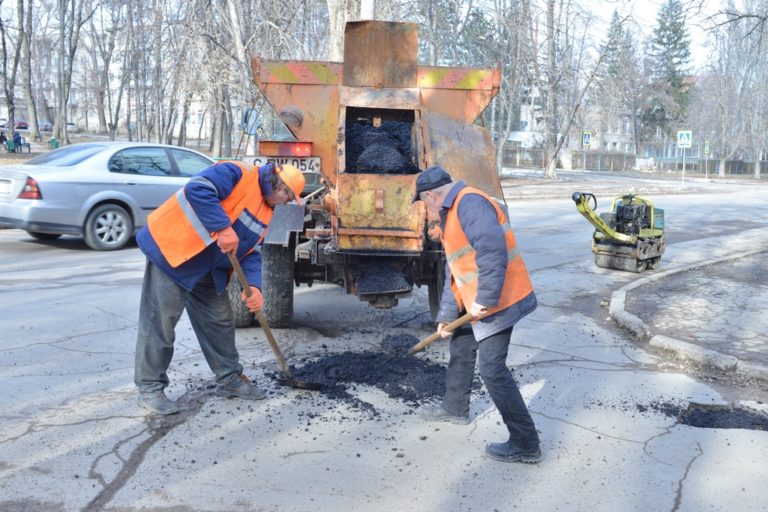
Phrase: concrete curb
[681,348]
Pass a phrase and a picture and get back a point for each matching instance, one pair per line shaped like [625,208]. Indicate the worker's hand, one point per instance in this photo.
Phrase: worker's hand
[441,330]
[477,310]
[227,240]
[255,302]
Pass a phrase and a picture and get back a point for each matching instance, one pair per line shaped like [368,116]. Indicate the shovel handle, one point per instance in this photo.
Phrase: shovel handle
[260,317]
[436,335]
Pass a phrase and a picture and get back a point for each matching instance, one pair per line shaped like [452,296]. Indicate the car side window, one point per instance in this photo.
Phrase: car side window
[143,161]
[189,163]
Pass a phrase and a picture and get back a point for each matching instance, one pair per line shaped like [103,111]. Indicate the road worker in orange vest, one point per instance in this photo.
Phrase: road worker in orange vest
[224,209]
[485,276]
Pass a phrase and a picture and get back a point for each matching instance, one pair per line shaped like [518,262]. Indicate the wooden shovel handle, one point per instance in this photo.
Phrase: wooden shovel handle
[260,317]
[436,335]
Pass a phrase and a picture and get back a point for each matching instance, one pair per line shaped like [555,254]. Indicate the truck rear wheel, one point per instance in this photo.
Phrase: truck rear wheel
[277,284]
[435,289]
[243,317]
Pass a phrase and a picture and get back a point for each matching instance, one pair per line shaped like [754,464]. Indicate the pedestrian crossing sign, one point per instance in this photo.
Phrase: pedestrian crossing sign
[684,138]
[586,138]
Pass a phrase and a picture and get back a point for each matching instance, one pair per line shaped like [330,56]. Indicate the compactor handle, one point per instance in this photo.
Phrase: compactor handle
[584,197]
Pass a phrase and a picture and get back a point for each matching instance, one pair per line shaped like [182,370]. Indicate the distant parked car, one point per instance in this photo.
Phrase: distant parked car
[21,125]
[45,126]
[103,191]
[71,127]
[3,123]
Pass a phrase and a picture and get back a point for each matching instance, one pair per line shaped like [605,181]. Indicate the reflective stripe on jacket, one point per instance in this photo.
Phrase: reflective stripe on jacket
[462,260]
[179,232]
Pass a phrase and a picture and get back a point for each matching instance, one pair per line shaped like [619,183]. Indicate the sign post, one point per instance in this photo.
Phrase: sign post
[684,139]
[586,140]
[706,160]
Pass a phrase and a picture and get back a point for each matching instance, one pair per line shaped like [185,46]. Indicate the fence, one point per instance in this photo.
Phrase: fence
[609,161]
[524,158]
[595,161]
[709,166]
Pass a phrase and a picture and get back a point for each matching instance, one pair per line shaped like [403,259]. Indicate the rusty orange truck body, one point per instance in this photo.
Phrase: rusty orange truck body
[376,109]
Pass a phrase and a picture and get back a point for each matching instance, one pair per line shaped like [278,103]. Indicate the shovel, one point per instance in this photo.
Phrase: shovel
[436,335]
[286,377]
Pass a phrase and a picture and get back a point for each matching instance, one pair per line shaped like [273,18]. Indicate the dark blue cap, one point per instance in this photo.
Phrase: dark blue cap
[432,178]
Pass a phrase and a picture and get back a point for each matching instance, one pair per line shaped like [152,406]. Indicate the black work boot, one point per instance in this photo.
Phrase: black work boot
[509,452]
[438,413]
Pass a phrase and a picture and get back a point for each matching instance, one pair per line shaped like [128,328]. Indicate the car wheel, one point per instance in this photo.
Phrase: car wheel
[43,236]
[108,227]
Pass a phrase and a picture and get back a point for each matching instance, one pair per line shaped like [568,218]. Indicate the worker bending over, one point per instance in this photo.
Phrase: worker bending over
[486,277]
[224,209]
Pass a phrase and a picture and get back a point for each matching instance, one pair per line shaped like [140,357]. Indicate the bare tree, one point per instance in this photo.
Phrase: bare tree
[10,61]
[26,67]
[72,15]
[339,13]
[560,74]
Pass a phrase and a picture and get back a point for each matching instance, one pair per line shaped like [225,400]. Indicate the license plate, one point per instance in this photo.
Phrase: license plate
[5,187]
[304,164]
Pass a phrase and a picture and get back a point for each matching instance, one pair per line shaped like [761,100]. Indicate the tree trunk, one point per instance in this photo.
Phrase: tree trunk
[9,76]
[551,114]
[26,69]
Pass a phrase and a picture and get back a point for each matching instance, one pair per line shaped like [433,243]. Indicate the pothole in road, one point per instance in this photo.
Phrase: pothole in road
[712,416]
[701,415]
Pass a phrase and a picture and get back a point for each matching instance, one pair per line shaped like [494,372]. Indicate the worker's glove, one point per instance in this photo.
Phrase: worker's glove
[477,310]
[227,240]
[255,302]
[441,330]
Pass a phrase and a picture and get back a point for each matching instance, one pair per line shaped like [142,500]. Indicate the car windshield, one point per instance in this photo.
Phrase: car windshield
[66,156]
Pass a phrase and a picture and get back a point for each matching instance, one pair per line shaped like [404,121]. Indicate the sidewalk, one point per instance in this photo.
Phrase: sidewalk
[711,312]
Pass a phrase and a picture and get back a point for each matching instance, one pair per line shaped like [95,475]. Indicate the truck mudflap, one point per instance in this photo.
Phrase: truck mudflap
[465,150]
[286,219]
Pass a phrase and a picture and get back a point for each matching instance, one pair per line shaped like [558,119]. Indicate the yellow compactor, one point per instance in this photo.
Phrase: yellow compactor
[629,237]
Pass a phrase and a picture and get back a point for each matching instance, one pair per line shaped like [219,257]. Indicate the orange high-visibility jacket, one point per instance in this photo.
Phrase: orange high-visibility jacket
[462,259]
[180,234]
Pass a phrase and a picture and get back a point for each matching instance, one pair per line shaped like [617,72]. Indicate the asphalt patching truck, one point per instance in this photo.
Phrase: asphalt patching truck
[364,128]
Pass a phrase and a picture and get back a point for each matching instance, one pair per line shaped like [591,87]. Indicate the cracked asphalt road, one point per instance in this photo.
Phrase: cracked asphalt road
[74,439]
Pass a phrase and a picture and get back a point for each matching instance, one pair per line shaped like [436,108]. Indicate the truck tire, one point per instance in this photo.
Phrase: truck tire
[435,289]
[243,317]
[277,284]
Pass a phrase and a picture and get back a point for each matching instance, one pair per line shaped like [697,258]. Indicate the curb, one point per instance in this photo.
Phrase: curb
[681,348]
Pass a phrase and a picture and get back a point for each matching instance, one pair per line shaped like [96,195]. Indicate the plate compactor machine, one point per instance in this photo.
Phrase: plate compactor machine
[629,237]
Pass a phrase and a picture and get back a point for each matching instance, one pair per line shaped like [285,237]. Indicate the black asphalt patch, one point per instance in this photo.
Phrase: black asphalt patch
[413,380]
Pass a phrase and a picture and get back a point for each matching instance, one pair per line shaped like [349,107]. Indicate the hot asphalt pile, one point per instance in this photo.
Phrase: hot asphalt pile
[382,150]
[401,376]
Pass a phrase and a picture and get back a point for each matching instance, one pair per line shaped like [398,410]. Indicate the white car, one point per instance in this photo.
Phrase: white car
[102,191]
[71,127]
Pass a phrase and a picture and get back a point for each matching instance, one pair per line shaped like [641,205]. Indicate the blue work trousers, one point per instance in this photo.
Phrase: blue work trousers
[162,303]
[491,354]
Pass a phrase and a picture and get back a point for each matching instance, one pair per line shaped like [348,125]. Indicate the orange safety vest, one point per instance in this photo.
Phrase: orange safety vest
[462,260]
[180,234]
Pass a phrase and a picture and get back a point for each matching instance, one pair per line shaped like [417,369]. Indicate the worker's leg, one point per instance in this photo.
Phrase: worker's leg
[461,371]
[504,392]
[162,303]
[211,318]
